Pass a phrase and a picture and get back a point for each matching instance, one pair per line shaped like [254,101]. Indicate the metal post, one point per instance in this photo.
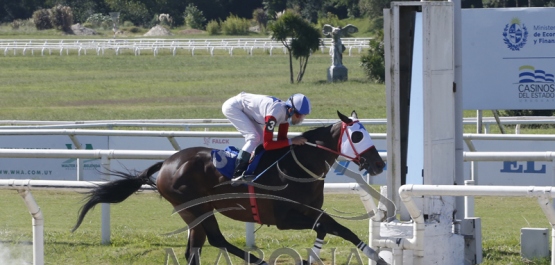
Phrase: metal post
[479,121]
[38,226]
[79,164]
[105,218]
[468,202]
[249,234]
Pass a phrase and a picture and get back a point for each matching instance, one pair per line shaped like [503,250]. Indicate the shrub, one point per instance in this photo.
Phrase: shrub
[373,63]
[61,17]
[128,23]
[88,25]
[194,18]
[135,30]
[107,24]
[41,18]
[153,22]
[97,19]
[17,23]
[213,27]
[234,25]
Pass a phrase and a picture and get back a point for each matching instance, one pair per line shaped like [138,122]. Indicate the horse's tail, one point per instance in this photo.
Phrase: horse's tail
[117,191]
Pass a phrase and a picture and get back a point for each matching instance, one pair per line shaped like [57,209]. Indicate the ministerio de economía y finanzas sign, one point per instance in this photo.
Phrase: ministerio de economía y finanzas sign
[508,58]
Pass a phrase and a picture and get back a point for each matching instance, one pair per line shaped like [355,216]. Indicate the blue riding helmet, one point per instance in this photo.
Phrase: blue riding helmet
[299,103]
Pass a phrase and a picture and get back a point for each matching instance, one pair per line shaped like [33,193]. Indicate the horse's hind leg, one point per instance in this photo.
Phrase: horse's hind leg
[196,240]
[216,239]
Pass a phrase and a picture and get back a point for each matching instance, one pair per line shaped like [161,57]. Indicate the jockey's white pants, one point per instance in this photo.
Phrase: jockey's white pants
[252,131]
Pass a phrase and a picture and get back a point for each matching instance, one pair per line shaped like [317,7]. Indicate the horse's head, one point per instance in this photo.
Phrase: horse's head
[355,143]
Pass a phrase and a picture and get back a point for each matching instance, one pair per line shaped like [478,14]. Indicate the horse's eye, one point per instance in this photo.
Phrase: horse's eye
[357,137]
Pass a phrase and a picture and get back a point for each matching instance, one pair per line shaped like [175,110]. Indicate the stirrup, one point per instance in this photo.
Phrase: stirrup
[242,179]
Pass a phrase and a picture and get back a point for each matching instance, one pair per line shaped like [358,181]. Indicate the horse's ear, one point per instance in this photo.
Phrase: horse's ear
[354,114]
[344,118]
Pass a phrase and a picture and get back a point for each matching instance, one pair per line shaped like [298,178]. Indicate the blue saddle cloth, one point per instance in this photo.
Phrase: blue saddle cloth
[224,161]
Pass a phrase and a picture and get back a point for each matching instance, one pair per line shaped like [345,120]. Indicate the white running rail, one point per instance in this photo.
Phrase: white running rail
[154,46]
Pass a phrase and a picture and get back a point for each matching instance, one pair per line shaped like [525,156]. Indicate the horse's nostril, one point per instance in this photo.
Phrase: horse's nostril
[380,164]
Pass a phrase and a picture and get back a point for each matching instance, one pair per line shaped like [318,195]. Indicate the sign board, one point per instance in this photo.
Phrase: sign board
[508,58]
[513,173]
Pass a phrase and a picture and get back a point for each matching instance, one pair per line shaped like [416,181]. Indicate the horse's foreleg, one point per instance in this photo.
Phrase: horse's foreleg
[314,255]
[294,220]
[324,224]
[333,227]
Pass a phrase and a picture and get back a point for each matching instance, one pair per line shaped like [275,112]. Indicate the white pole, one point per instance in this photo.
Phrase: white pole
[38,226]
[469,201]
[105,218]
[459,128]
[249,234]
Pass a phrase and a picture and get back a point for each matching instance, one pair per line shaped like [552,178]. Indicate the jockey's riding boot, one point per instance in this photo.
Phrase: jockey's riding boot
[241,165]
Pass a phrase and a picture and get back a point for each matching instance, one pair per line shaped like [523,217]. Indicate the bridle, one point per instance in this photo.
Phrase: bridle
[358,155]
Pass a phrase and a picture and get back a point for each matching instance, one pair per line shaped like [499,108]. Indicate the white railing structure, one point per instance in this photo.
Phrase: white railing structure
[171,135]
[24,187]
[473,157]
[545,195]
[501,156]
[135,46]
[187,124]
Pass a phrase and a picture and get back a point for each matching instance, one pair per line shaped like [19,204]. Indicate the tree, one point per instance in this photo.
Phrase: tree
[274,6]
[81,9]
[299,37]
[374,8]
[373,63]
[194,18]
[131,10]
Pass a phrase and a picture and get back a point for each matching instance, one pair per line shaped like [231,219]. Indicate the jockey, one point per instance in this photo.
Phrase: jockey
[250,112]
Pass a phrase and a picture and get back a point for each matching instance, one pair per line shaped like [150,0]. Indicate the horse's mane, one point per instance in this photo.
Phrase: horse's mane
[315,133]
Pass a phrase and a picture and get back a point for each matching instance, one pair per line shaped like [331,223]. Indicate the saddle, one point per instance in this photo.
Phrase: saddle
[224,160]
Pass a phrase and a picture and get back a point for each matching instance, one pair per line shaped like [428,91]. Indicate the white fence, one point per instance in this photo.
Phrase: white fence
[187,124]
[544,196]
[174,46]
[23,187]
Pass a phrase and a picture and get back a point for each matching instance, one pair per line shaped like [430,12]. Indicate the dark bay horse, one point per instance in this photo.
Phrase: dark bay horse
[289,192]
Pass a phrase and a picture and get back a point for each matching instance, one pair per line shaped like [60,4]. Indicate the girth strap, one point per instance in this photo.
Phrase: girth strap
[254,205]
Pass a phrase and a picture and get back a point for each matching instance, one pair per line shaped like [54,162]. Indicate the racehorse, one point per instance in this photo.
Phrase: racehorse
[289,189]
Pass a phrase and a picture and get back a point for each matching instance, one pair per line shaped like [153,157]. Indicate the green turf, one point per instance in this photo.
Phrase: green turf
[139,224]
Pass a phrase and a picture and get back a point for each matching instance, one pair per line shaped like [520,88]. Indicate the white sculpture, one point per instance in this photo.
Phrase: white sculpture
[336,51]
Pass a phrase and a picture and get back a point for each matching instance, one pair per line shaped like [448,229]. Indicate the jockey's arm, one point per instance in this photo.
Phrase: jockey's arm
[282,141]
